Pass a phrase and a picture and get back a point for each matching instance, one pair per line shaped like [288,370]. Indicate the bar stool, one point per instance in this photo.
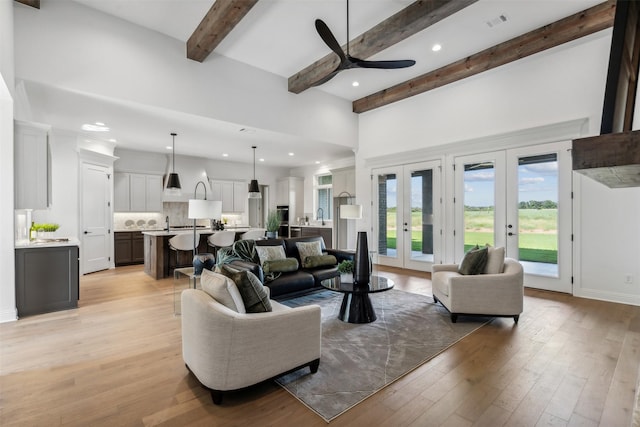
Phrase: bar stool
[221,239]
[254,234]
[183,242]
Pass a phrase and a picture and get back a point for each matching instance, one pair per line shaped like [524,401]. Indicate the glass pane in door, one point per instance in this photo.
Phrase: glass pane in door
[421,211]
[538,213]
[479,204]
[387,215]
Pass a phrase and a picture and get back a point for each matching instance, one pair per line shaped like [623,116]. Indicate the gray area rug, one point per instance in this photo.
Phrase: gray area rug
[357,360]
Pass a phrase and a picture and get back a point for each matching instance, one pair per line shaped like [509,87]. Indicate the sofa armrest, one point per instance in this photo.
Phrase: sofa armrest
[341,254]
[227,350]
[444,267]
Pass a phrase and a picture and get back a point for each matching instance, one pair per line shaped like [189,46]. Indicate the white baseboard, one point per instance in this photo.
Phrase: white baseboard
[8,315]
[607,296]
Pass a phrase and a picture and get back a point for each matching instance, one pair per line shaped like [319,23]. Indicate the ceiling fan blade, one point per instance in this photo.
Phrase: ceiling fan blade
[387,65]
[327,77]
[327,36]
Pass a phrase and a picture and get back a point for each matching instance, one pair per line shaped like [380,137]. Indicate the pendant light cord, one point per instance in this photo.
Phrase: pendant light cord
[173,167]
[348,41]
[254,161]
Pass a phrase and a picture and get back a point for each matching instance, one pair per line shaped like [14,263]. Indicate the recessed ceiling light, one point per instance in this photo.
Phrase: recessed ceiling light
[291,154]
[261,160]
[355,84]
[169,147]
[317,162]
[99,124]
[113,140]
[95,128]
[225,155]
[436,47]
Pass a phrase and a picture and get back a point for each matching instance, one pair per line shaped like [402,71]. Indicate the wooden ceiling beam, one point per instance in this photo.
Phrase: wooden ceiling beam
[409,21]
[32,3]
[581,24]
[223,16]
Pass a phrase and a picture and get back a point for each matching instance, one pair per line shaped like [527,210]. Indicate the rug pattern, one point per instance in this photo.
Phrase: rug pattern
[358,360]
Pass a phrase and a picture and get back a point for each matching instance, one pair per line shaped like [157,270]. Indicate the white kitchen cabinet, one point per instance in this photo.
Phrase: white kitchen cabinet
[121,198]
[154,193]
[290,192]
[32,165]
[233,195]
[137,192]
[240,196]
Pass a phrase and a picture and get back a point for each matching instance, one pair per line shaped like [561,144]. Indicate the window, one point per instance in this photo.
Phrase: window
[324,195]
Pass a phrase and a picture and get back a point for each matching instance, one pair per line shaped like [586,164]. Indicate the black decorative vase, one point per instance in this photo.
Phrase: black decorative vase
[361,262]
[202,261]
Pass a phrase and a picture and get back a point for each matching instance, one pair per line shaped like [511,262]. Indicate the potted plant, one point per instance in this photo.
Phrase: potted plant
[272,224]
[345,268]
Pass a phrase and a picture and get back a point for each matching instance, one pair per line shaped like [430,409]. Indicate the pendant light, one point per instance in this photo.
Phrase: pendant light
[173,183]
[254,188]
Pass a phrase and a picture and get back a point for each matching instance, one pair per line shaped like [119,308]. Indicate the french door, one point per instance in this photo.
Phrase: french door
[519,199]
[407,221]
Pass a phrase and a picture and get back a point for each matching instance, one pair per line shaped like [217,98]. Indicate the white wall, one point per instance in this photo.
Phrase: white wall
[110,57]
[8,310]
[559,85]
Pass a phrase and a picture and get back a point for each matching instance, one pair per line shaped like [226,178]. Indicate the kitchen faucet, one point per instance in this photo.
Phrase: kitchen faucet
[321,215]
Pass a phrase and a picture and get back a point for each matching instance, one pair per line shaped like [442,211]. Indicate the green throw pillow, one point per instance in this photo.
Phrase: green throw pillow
[474,261]
[280,265]
[314,261]
[254,296]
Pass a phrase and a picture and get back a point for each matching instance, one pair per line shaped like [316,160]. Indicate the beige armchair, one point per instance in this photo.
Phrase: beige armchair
[227,350]
[499,294]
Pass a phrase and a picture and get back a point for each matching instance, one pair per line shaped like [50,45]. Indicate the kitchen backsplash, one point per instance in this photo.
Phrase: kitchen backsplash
[177,213]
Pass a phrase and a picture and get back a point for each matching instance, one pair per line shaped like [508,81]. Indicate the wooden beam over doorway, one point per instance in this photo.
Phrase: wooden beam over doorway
[223,16]
[581,24]
[409,21]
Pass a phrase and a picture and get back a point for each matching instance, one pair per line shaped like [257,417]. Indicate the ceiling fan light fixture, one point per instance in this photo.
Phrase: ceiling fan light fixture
[254,187]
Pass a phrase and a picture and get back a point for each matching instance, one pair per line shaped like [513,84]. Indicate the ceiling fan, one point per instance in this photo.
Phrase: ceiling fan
[347,61]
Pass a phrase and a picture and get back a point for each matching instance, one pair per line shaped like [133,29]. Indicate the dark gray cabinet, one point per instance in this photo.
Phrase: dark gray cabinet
[47,279]
[128,247]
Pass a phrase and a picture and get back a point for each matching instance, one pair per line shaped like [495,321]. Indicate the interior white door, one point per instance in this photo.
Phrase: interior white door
[96,218]
[539,223]
[408,206]
[519,199]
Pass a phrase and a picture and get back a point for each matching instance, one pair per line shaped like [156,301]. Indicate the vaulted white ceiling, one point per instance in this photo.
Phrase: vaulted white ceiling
[279,36]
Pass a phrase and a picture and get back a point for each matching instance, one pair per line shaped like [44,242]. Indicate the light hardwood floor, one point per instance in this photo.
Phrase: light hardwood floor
[116,361]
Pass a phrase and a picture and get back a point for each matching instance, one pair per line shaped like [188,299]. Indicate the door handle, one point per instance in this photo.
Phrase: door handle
[87,232]
[511,234]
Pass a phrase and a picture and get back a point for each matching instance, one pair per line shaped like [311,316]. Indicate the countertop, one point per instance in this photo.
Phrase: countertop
[205,231]
[48,243]
[313,226]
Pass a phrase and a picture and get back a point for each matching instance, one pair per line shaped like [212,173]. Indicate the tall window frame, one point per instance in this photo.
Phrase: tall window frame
[323,195]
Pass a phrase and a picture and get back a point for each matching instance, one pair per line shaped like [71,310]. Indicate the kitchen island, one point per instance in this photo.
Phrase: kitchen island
[157,252]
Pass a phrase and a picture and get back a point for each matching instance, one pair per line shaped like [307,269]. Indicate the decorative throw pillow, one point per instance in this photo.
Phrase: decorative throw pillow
[222,289]
[306,249]
[474,261]
[495,260]
[254,295]
[314,261]
[280,265]
[270,253]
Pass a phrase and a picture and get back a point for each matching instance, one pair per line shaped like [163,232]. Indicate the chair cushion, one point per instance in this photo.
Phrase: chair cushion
[313,261]
[222,289]
[307,249]
[474,261]
[280,265]
[495,260]
[254,295]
